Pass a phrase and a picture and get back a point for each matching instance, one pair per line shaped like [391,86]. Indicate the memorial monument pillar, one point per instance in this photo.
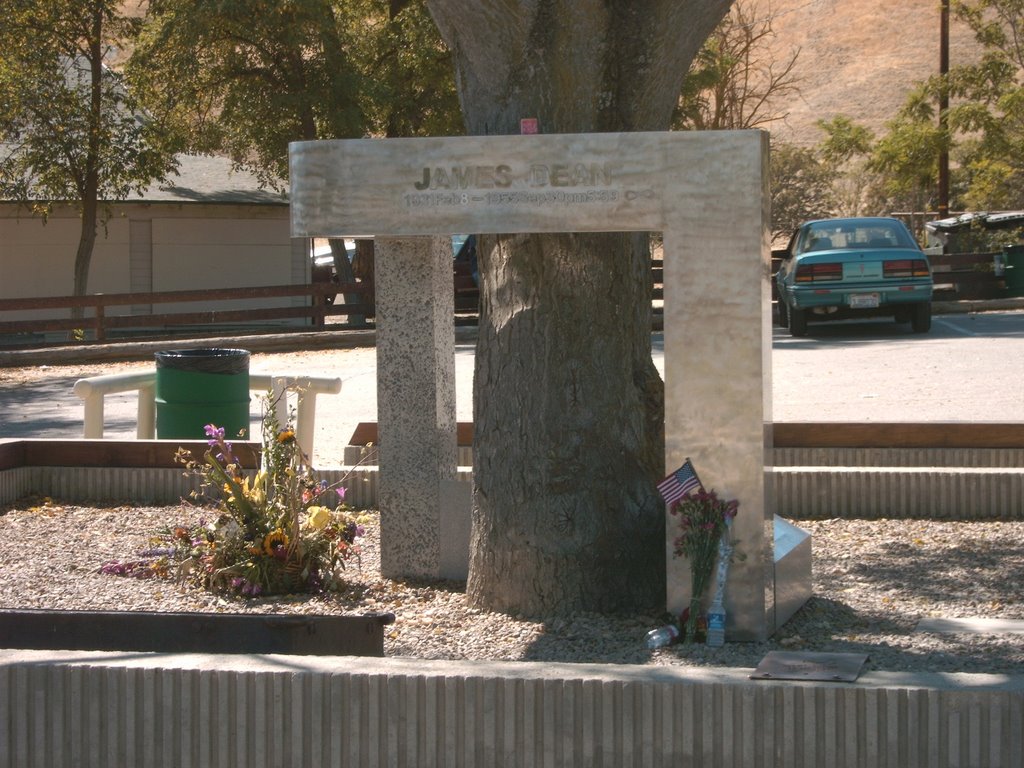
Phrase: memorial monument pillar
[415,399]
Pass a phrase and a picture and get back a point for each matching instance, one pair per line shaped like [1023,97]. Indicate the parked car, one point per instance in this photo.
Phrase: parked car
[464,270]
[835,269]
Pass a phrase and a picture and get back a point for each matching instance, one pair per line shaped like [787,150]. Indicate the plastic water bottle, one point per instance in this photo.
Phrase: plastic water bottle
[662,636]
[716,627]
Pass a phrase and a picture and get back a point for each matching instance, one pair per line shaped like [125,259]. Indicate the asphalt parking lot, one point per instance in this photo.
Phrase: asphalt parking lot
[970,367]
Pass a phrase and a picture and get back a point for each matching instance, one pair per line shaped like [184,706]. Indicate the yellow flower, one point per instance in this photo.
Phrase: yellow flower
[256,493]
[276,538]
[317,517]
[285,436]
[253,491]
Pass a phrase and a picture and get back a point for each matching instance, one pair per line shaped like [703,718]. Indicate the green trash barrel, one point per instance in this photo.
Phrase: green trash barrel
[1014,274]
[196,387]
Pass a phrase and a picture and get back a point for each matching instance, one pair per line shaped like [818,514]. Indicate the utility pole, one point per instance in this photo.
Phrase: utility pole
[943,109]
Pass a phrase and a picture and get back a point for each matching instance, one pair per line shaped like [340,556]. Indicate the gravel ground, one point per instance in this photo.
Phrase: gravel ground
[873,580]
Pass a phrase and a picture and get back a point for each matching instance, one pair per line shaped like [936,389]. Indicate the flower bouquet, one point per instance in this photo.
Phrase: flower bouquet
[278,530]
[703,518]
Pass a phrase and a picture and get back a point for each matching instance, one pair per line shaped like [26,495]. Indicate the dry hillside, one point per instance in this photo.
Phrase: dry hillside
[858,57]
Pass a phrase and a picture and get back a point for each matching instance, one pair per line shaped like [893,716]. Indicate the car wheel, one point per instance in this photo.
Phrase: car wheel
[921,322]
[797,322]
[783,313]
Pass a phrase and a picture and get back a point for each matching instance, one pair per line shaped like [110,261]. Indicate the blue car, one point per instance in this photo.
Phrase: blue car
[836,269]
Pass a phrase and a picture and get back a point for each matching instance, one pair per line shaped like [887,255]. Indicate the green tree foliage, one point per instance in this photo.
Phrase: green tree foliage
[250,76]
[69,129]
[801,188]
[408,69]
[846,151]
[907,156]
[895,172]
[988,106]
[246,77]
[845,141]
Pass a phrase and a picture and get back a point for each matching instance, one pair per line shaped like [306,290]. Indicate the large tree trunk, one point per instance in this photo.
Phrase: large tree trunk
[568,409]
[83,255]
[89,183]
[86,243]
[567,404]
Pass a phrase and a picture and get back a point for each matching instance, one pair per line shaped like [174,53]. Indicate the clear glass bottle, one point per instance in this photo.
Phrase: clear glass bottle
[662,636]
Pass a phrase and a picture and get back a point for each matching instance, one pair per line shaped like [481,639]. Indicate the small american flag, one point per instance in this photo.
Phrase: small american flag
[679,483]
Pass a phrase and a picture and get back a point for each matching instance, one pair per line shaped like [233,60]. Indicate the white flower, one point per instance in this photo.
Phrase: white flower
[226,529]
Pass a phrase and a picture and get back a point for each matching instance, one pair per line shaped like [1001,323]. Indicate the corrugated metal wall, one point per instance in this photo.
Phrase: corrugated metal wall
[801,492]
[98,710]
[943,483]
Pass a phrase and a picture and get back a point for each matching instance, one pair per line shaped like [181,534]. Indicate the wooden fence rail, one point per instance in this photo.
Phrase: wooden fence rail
[967,276]
[97,320]
[957,276]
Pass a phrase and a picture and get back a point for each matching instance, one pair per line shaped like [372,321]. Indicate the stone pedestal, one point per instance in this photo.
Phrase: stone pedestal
[415,399]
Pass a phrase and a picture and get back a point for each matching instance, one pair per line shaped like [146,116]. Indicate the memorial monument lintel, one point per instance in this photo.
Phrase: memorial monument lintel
[608,182]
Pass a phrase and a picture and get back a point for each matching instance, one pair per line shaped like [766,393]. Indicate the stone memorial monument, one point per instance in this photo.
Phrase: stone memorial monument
[707,194]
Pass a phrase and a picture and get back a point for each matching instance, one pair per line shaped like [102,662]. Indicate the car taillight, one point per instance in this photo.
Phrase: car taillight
[809,273]
[905,268]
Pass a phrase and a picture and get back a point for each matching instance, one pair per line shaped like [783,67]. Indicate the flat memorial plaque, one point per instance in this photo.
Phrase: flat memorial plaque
[798,665]
[972,626]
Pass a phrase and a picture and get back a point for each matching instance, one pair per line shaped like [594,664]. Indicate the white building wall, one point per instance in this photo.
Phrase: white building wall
[198,253]
[37,258]
[158,247]
[220,253]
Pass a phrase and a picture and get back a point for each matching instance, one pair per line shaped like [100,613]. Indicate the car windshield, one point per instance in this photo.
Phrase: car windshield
[825,235]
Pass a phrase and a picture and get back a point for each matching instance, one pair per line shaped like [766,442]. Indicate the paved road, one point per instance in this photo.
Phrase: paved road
[970,368]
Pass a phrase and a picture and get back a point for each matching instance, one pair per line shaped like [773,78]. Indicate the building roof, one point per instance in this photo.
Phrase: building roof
[208,179]
[205,179]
